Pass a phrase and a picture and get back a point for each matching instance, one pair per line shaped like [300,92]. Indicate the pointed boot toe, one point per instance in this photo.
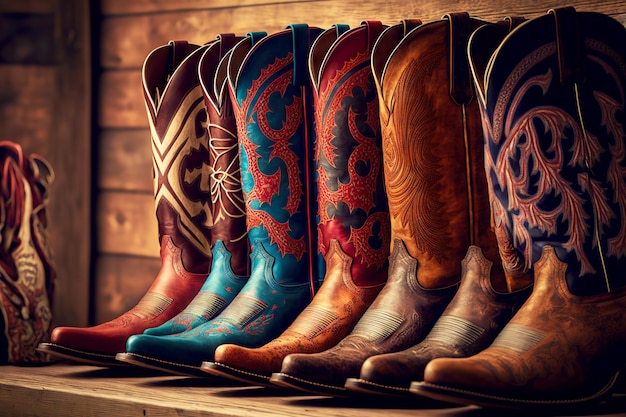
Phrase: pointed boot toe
[453,380]
[243,364]
[558,351]
[319,374]
[463,373]
[179,354]
[84,345]
[386,374]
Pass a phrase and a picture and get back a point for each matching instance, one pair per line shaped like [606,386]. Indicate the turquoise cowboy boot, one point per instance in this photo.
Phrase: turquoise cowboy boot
[354,229]
[230,267]
[272,100]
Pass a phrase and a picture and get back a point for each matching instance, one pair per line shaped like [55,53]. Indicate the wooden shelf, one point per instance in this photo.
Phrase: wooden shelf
[66,389]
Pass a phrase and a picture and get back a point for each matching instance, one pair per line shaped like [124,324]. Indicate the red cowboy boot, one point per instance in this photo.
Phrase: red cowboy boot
[431,184]
[555,157]
[271,96]
[178,120]
[488,296]
[27,272]
[353,229]
[230,266]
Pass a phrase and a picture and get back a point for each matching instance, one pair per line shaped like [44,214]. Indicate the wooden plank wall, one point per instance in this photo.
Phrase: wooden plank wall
[45,106]
[127,243]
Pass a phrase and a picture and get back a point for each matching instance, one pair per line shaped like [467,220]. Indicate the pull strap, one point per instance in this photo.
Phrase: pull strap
[300,37]
[341,28]
[178,52]
[569,44]
[514,21]
[410,24]
[227,41]
[460,81]
[255,36]
[374,29]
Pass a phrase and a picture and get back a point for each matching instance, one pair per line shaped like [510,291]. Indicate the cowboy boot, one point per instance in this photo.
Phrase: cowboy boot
[488,296]
[554,94]
[230,253]
[353,230]
[271,99]
[27,271]
[434,215]
[178,118]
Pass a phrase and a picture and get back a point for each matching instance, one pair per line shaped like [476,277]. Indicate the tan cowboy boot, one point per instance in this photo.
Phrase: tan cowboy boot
[432,186]
[488,296]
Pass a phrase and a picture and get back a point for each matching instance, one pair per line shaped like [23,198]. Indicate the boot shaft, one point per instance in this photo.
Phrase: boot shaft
[273,104]
[351,197]
[178,125]
[554,116]
[433,149]
[227,203]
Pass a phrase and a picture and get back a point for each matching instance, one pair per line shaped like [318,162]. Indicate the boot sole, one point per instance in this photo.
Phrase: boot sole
[363,386]
[76,355]
[368,387]
[316,388]
[160,365]
[226,371]
[466,397]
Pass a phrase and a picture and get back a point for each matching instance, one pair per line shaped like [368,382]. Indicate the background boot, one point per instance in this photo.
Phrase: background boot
[230,267]
[487,297]
[178,120]
[434,215]
[27,272]
[354,218]
[272,102]
[555,100]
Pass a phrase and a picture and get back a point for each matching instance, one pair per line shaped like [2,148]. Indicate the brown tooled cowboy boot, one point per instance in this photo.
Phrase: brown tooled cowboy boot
[178,119]
[27,272]
[353,230]
[555,159]
[433,187]
[488,295]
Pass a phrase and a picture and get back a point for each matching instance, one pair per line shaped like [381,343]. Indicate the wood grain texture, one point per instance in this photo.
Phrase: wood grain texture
[27,94]
[79,390]
[121,282]
[46,107]
[27,6]
[126,40]
[70,148]
[126,224]
[120,100]
[113,7]
[27,38]
[125,160]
